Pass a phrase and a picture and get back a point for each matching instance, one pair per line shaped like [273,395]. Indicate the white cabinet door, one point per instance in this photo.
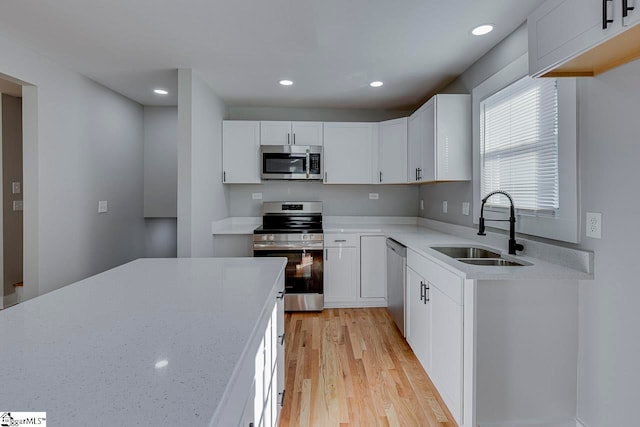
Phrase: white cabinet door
[393,151]
[349,153]
[275,133]
[418,327]
[416,143]
[307,133]
[340,274]
[240,152]
[247,414]
[452,139]
[562,29]
[428,172]
[373,267]
[446,349]
[633,15]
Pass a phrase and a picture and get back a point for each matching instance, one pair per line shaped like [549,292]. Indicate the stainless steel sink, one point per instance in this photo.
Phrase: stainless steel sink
[496,262]
[478,256]
[466,252]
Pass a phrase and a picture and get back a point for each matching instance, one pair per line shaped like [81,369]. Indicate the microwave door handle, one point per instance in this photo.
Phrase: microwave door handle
[308,165]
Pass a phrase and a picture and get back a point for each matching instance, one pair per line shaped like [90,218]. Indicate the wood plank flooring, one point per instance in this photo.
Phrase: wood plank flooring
[352,367]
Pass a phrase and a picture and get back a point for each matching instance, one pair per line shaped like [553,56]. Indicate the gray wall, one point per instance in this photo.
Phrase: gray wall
[609,152]
[160,162]
[161,237]
[202,198]
[395,200]
[11,172]
[82,143]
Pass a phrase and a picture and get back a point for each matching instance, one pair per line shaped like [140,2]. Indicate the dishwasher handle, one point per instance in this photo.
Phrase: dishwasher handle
[397,247]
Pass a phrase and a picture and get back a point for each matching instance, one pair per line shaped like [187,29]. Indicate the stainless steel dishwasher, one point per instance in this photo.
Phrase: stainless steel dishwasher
[396,281]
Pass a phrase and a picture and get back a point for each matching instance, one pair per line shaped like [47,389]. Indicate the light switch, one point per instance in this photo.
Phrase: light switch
[15,187]
[256,196]
[465,208]
[445,207]
[421,205]
[374,196]
[102,206]
[18,205]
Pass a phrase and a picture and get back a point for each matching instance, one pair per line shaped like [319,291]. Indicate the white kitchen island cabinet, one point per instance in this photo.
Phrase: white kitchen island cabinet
[151,342]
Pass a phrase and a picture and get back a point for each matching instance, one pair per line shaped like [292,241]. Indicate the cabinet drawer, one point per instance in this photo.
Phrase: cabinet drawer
[447,282]
[341,239]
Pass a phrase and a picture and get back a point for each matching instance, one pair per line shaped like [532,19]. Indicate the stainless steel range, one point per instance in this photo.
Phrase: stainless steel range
[294,230]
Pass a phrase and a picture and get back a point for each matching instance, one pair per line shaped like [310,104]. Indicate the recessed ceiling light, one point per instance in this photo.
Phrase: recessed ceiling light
[376,84]
[286,82]
[160,92]
[481,30]
[161,363]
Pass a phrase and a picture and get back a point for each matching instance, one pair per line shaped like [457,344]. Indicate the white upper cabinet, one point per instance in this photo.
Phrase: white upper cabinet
[290,133]
[240,152]
[562,30]
[393,152]
[439,147]
[349,153]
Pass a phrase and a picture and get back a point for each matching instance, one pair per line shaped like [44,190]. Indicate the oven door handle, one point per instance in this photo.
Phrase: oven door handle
[308,165]
[285,246]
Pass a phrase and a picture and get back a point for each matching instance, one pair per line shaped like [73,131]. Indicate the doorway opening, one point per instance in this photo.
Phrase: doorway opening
[11,193]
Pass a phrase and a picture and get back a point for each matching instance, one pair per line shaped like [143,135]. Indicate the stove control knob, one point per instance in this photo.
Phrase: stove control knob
[271,237]
[264,237]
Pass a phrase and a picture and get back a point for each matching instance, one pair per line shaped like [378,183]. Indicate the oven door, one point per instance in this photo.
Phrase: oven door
[303,277]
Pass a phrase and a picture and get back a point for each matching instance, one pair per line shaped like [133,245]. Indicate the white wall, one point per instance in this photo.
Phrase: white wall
[160,162]
[608,374]
[83,143]
[201,196]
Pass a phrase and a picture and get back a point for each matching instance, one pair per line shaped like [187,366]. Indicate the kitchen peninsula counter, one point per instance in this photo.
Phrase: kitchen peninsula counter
[152,342]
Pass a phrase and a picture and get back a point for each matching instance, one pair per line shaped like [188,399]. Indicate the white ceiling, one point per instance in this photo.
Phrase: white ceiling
[331,49]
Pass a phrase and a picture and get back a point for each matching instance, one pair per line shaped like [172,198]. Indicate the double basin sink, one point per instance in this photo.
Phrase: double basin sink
[478,256]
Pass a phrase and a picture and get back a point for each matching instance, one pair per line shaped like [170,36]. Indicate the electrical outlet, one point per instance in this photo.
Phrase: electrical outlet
[102,206]
[594,225]
[465,208]
[444,207]
[15,187]
[421,205]
[18,205]
[256,196]
[374,196]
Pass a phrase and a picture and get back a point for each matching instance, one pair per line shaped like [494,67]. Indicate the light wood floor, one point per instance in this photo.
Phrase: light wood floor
[351,367]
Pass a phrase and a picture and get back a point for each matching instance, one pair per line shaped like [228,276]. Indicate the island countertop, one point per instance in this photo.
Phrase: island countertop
[152,342]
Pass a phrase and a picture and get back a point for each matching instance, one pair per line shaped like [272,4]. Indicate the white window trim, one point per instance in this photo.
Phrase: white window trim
[564,226]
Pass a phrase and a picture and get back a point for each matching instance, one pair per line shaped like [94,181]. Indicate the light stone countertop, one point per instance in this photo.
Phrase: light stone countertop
[549,261]
[87,353]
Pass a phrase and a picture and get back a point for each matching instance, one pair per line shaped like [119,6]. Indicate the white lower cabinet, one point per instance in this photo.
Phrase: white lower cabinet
[435,329]
[265,396]
[418,328]
[355,269]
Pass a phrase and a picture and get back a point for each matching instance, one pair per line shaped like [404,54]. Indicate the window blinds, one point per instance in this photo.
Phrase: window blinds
[519,145]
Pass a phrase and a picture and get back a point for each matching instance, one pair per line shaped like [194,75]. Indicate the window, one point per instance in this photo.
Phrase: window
[519,145]
[524,142]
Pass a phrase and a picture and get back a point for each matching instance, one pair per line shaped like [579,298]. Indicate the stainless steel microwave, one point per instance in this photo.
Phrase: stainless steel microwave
[296,162]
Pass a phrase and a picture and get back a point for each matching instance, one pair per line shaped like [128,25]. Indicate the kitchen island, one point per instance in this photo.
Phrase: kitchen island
[152,342]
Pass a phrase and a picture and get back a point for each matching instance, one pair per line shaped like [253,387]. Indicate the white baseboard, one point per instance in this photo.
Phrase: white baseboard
[358,304]
[571,422]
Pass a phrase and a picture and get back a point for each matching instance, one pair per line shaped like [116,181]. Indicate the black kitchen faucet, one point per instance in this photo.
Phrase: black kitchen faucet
[513,245]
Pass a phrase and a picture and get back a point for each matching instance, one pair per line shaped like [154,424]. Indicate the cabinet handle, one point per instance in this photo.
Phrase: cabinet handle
[380,176]
[294,139]
[421,291]
[605,17]
[288,139]
[626,8]
[282,398]
[325,177]
[280,295]
[340,240]
[419,174]
[282,339]
[307,159]
[224,176]
[326,254]
[426,293]
[416,174]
